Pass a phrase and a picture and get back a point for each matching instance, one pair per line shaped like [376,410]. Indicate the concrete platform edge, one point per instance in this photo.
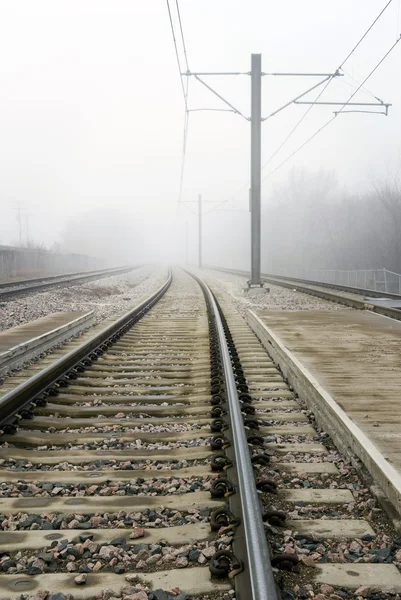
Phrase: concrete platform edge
[18,355]
[329,415]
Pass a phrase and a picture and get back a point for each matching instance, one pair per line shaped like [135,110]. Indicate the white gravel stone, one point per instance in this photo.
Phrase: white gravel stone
[278,298]
[107,297]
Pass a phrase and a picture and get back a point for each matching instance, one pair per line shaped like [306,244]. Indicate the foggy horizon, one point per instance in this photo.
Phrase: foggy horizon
[92,123]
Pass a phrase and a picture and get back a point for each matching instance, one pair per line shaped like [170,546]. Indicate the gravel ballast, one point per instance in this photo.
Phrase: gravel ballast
[278,298]
[107,297]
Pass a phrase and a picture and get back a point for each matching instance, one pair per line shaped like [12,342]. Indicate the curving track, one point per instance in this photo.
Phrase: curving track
[127,467]
[152,385]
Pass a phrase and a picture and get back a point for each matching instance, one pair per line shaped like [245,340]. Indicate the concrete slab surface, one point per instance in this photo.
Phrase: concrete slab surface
[383,578]
[37,438]
[287,430]
[355,356]
[315,496]
[78,457]
[345,365]
[95,504]
[44,422]
[302,467]
[103,475]
[289,417]
[36,540]
[107,411]
[307,448]
[23,333]
[23,343]
[191,581]
[330,528]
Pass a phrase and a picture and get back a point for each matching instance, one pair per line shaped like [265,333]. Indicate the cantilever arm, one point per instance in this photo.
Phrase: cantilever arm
[294,101]
[238,112]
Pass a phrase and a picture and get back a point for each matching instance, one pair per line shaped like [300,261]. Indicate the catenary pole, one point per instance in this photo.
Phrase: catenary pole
[256,124]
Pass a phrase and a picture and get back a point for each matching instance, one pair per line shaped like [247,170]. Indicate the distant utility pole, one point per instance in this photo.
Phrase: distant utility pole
[198,214]
[19,220]
[200,231]
[27,217]
[256,120]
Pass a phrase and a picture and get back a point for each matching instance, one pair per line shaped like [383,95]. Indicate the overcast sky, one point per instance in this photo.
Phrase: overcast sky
[91,108]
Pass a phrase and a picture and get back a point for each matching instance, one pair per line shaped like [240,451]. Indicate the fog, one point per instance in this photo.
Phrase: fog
[92,117]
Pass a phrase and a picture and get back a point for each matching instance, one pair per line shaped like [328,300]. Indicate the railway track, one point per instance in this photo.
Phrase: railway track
[346,295]
[26,286]
[357,291]
[129,470]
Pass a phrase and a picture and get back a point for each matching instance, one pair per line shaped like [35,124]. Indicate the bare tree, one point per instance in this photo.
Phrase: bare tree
[311,222]
[389,195]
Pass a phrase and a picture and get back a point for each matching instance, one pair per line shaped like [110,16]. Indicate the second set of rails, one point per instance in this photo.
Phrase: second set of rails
[22,287]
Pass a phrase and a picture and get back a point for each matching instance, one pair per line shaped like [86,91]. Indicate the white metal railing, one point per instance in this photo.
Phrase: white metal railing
[378,280]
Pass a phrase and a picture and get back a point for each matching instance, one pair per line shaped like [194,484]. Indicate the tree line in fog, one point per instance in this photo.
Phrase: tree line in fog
[309,222]
[312,222]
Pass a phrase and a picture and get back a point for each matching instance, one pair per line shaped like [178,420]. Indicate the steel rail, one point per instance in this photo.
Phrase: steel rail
[330,294]
[335,286]
[42,283]
[39,384]
[338,286]
[32,280]
[263,586]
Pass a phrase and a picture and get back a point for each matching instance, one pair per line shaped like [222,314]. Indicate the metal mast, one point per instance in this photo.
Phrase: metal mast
[256,134]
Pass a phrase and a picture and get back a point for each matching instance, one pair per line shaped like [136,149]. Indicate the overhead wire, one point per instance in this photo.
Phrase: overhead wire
[357,82]
[190,209]
[366,33]
[326,86]
[297,124]
[361,85]
[182,35]
[184,150]
[176,53]
[211,109]
[185,90]
[336,114]
[235,110]
[398,16]
[215,207]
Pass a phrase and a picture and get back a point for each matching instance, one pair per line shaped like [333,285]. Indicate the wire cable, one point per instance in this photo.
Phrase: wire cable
[190,209]
[398,16]
[325,87]
[184,153]
[357,82]
[238,112]
[336,114]
[176,54]
[297,124]
[366,33]
[182,35]
[215,207]
[185,90]
[370,74]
